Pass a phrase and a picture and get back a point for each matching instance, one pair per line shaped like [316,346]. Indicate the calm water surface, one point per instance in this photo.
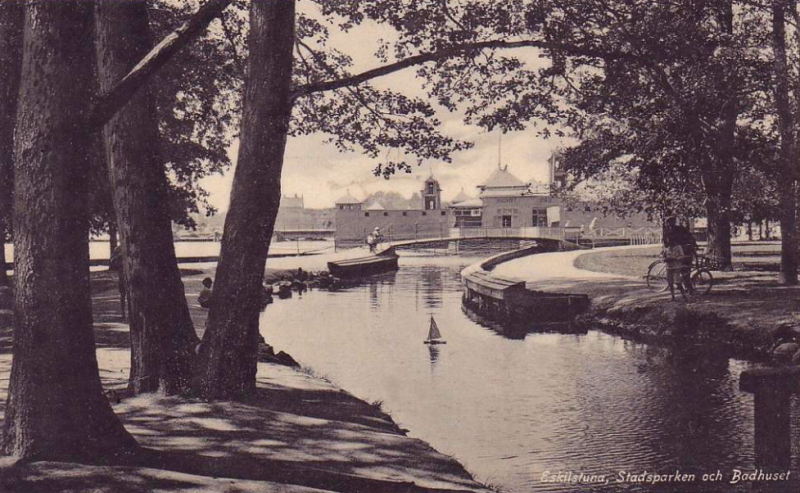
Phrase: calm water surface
[512,408]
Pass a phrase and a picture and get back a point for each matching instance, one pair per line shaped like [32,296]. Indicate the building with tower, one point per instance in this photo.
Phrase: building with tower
[504,202]
[431,194]
[354,221]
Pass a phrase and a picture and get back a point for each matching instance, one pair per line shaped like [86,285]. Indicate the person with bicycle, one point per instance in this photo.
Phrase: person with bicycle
[679,251]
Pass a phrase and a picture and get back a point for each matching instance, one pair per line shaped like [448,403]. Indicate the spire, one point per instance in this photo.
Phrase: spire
[499,149]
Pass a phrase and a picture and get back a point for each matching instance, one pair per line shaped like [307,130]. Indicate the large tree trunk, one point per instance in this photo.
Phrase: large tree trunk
[718,176]
[10,66]
[162,333]
[787,188]
[719,228]
[230,345]
[56,407]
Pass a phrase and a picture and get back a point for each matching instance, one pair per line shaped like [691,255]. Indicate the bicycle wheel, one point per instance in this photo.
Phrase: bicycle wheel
[702,281]
[657,276]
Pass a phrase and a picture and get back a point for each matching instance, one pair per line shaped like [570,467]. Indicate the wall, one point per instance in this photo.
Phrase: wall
[293,218]
[352,227]
[579,216]
[522,217]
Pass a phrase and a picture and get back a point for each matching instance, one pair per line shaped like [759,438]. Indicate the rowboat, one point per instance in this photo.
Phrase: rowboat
[363,266]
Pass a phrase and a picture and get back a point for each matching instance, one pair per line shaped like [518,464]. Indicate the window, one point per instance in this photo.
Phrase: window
[405,213]
[444,213]
[385,213]
[539,218]
[366,214]
[424,213]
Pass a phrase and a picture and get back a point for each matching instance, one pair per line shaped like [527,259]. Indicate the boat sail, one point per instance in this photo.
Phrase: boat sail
[434,336]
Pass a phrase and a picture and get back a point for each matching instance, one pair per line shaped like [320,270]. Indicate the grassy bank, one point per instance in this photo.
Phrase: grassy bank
[741,314]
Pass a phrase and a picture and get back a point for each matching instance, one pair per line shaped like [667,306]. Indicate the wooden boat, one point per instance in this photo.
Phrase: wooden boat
[363,266]
[434,336]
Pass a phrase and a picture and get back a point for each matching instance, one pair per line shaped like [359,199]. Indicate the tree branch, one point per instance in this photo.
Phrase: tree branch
[123,91]
[452,51]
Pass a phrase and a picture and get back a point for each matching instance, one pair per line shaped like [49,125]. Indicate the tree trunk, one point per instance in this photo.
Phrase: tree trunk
[786,186]
[10,67]
[719,229]
[162,333]
[718,176]
[230,344]
[56,408]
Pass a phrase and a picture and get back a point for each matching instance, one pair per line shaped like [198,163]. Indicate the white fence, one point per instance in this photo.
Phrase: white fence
[531,232]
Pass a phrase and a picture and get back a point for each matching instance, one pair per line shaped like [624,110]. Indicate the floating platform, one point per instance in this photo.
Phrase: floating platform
[508,299]
[363,266]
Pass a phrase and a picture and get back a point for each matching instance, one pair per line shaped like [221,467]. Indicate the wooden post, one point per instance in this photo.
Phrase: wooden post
[772,388]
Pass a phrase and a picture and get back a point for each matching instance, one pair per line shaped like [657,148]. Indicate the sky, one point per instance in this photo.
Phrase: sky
[322,174]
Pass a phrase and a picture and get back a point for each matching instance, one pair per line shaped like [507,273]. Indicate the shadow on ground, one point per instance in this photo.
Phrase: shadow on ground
[296,429]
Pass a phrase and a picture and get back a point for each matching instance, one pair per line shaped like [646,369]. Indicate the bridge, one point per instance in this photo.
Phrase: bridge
[295,234]
[548,239]
[455,237]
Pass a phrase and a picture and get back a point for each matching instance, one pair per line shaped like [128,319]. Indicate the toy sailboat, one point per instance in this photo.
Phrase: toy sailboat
[434,336]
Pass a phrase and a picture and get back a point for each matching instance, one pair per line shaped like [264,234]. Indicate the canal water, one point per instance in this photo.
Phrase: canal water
[519,409]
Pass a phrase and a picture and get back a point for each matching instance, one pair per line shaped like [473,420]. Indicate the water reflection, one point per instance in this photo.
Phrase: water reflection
[433,350]
[514,404]
[431,288]
[520,329]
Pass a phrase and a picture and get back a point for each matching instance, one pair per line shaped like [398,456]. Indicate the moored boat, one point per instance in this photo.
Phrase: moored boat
[363,266]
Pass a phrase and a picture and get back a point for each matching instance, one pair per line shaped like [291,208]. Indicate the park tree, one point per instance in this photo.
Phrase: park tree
[162,332]
[787,132]
[56,407]
[230,344]
[353,114]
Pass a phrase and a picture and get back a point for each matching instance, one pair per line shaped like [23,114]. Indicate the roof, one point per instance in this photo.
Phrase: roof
[292,202]
[506,192]
[461,197]
[501,178]
[376,206]
[347,199]
[468,203]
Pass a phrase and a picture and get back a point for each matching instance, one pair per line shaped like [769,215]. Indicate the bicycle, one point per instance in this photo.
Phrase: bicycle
[700,276]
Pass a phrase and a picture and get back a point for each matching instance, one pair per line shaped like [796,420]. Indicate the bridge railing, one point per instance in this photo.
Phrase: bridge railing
[558,233]
[636,236]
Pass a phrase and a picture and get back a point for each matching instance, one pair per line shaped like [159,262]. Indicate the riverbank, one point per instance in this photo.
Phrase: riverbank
[740,316]
[299,433]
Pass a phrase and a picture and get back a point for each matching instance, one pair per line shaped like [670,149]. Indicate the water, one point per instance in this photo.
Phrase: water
[99,250]
[512,408]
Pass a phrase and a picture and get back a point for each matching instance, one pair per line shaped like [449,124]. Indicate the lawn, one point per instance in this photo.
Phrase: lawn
[750,256]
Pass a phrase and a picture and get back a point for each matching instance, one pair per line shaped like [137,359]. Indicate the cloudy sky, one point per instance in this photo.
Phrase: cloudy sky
[321,174]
